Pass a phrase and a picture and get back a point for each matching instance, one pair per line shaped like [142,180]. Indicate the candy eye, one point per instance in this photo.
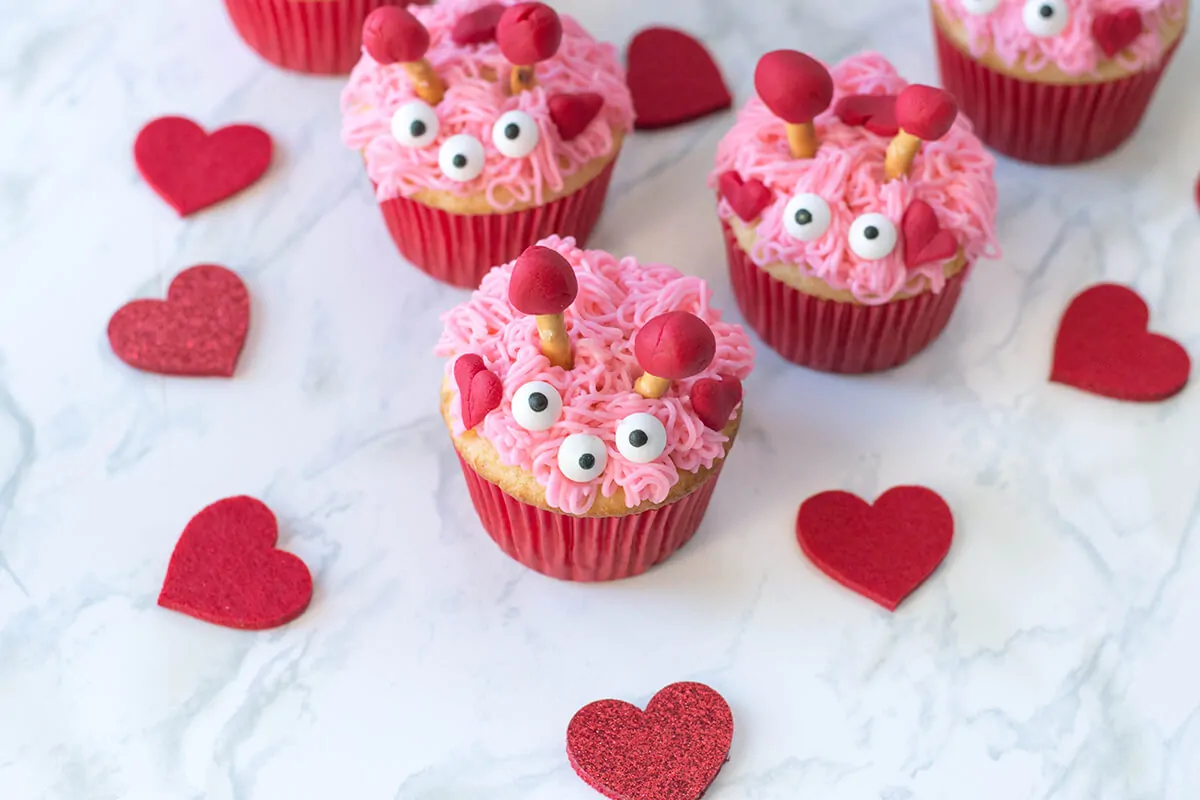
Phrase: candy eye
[1046,17]
[415,124]
[980,7]
[536,406]
[461,158]
[641,438]
[582,457]
[872,236]
[806,217]
[515,134]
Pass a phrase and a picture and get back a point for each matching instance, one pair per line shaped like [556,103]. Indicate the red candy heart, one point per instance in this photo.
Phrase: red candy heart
[226,570]
[875,112]
[1117,30]
[1103,347]
[924,240]
[671,751]
[572,113]
[478,388]
[714,401]
[748,199]
[479,26]
[198,330]
[884,551]
[191,169]
[673,79]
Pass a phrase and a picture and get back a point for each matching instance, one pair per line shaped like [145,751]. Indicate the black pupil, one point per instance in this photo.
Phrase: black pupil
[638,438]
[417,129]
[512,130]
[871,232]
[538,402]
[587,461]
[803,216]
[1046,11]
[459,161]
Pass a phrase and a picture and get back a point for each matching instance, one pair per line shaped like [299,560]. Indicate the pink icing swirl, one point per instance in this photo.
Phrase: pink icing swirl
[1074,51]
[616,297]
[472,105]
[953,175]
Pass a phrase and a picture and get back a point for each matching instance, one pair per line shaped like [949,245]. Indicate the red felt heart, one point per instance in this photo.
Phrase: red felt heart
[875,112]
[673,79]
[1103,347]
[1114,31]
[226,570]
[671,751]
[713,401]
[572,113]
[748,199]
[884,551]
[191,169]
[478,388]
[924,240]
[478,26]
[198,330]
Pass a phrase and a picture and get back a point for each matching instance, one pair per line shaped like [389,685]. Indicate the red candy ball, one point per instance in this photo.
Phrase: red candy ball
[675,345]
[529,33]
[794,86]
[926,112]
[391,35]
[542,282]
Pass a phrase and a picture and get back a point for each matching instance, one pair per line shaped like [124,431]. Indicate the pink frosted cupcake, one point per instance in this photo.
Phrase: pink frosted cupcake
[853,206]
[592,401]
[484,127]
[1056,81]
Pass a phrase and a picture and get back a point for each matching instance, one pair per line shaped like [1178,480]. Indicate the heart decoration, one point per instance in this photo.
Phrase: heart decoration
[748,199]
[572,113]
[883,552]
[673,79]
[1104,347]
[226,570]
[925,242]
[671,751]
[198,330]
[478,26]
[193,170]
[875,112]
[714,401]
[1117,30]
[478,388]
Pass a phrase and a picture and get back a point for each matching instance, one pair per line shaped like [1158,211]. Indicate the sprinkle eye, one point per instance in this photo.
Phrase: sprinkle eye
[536,406]
[1046,17]
[980,7]
[872,236]
[641,438]
[582,457]
[807,217]
[415,124]
[515,134]
[461,158]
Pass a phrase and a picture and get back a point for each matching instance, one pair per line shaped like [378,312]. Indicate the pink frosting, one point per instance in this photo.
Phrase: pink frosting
[1074,51]
[472,105]
[953,175]
[616,297]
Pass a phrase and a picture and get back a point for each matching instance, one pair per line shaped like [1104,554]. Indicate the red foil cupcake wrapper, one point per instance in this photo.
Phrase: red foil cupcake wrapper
[322,37]
[831,336]
[1046,123]
[460,249]
[586,548]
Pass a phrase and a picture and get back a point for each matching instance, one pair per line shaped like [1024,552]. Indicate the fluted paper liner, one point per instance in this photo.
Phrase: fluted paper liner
[322,37]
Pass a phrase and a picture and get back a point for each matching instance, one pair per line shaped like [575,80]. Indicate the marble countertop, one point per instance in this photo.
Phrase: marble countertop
[1052,656]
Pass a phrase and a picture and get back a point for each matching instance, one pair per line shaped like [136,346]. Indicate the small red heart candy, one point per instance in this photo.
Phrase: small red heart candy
[673,79]
[748,199]
[671,751]
[226,570]
[479,390]
[193,170]
[795,86]
[675,345]
[1114,31]
[529,33]
[926,112]
[198,330]
[883,552]
[572,113]
[1104,347]
[542,282]
[478,26]
[875,112]
[714,401]
[924,240]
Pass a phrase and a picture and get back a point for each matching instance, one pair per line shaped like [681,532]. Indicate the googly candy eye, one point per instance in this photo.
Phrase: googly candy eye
[415,124]
[515,134]
[806,217]
[641,438]
[1046,17]
[980,7]
[872,236]
[536,406]
[461,158]
[582,457]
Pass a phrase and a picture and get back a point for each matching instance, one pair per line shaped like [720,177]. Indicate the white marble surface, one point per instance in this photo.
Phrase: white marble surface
[1053,655]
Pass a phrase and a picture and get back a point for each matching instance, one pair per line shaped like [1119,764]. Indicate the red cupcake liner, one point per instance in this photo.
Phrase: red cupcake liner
[831,336]
[322,37]
[460,248]
[1046,123]
[586,548]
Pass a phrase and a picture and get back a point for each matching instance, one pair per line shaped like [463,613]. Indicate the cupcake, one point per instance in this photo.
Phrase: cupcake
[484,127]
[853,206]
[592,402]
[1056,81]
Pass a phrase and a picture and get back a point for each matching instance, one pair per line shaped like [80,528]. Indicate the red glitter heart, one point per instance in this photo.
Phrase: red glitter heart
[714,401]
[1104,347]
[478,388]
[198,330]
[875,112]
[924,240]
[883,552]
[191,169]
[478,26]
[226,570]
[572,113]
[671,751]
[673,79]
[746,198]
[1114,31]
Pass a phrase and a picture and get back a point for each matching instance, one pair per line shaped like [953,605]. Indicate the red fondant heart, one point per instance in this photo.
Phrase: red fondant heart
[884,551]
[924,240]
[226,570]
[1103,347]
[1114,31]
[875,112]
[198,330]
[714,401]
[478,26]
[191,169]
[673,79]
[746,198]
[671,751]
[479,390]
[572,113]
